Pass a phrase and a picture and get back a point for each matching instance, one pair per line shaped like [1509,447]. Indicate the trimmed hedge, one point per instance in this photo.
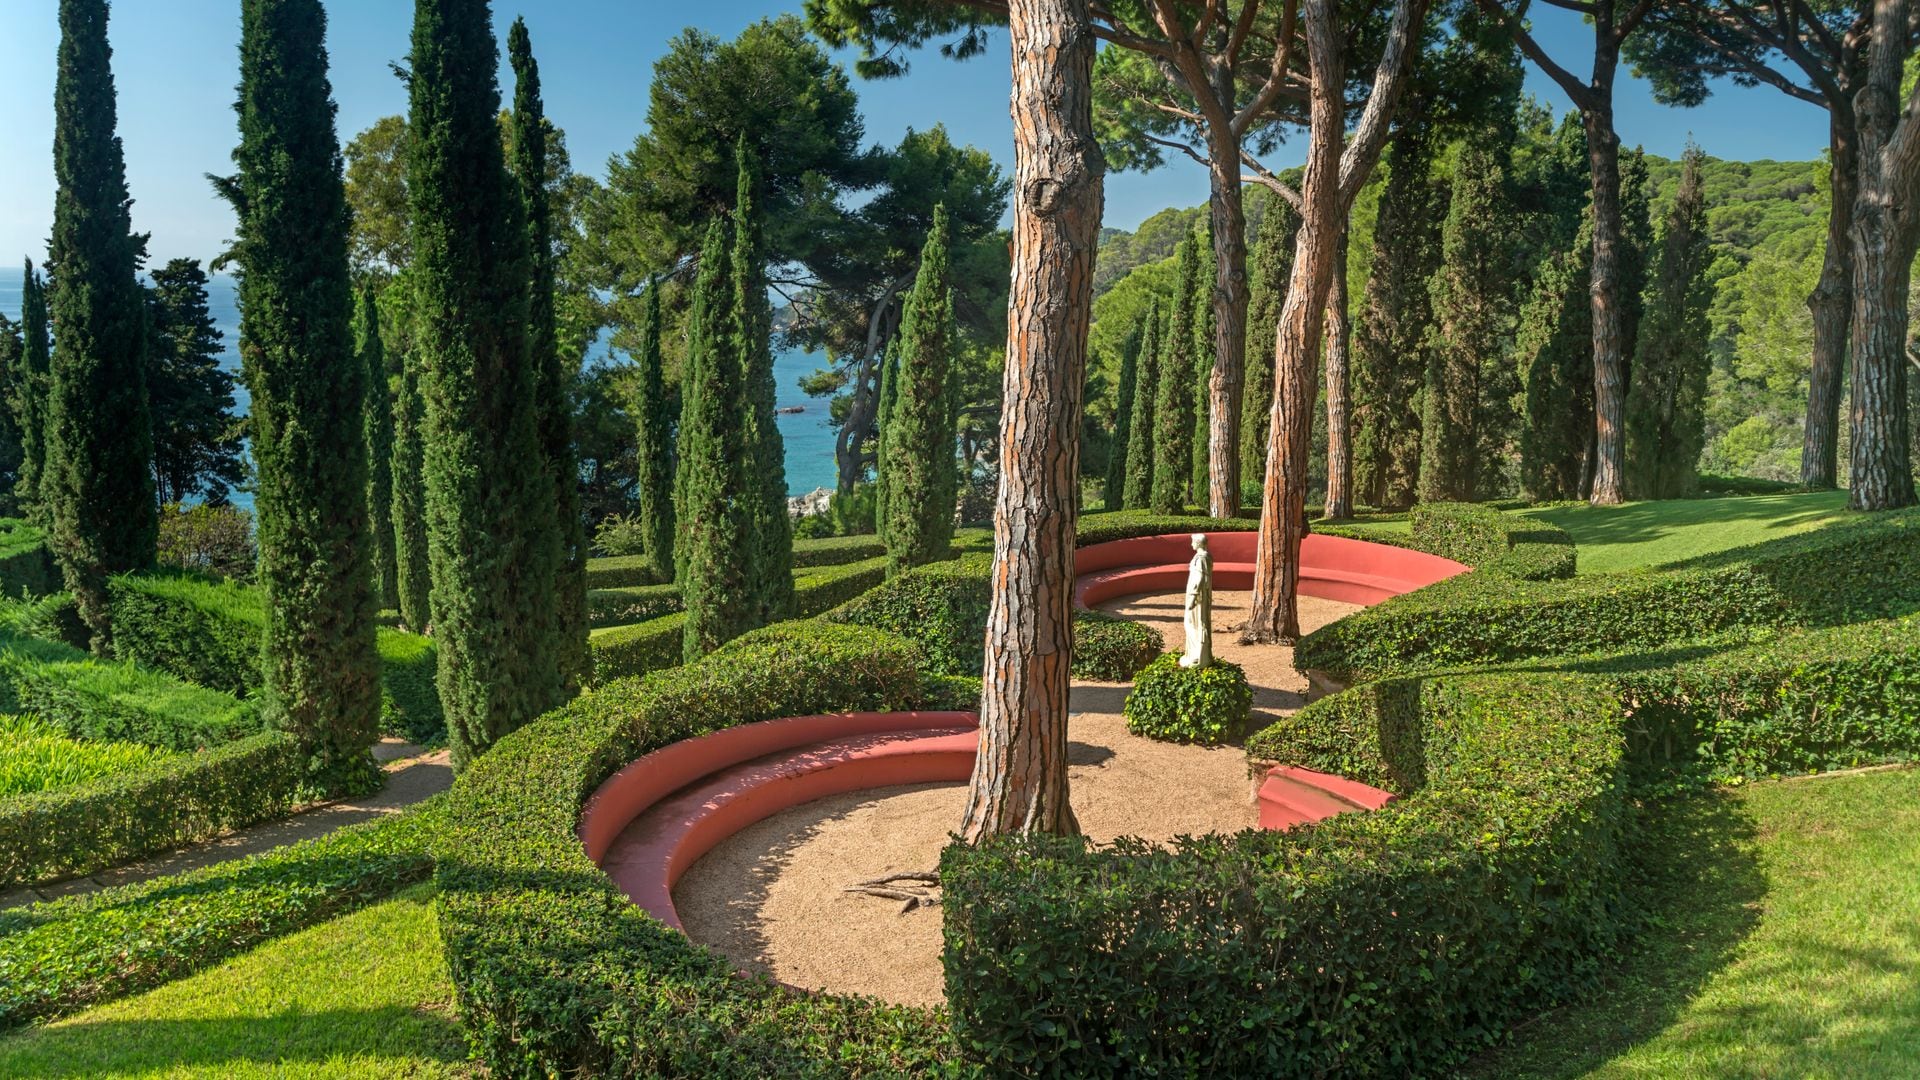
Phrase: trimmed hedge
[630,571]
[1711,484]
[65,955]
[37,756]
[1834,576]
[27,568]
[183,800]
[107,701]
[210,632]
[1109,648]
[620,572]
[1492,542]
[1390,943]
[1206,705]
[558,974]
[631,604]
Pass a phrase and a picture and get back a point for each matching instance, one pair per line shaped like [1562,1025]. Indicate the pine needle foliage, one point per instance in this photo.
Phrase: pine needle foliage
[321,674]
[493,549]
[922,474]
[98,479]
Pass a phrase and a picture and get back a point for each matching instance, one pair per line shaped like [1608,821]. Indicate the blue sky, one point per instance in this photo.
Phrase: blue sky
[175,66]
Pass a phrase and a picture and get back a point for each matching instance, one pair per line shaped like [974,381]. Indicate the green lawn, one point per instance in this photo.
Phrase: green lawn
[366,995]
[1785,943]
[1634,535]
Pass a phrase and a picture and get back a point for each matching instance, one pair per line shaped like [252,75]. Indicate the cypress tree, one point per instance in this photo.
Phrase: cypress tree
[1470,322]
[769,550]
[11,456]
[27,394]
[712,487]
[1271,265]
[377,431]
[413,580]
[493,549]
[921,476]
[98,483]
[883,417]
[552,379]
[1116,485]
[1389,355]
[1666,419]
[321,673]
[654,445]
[1173,413]
[1555,346]
[1140,430]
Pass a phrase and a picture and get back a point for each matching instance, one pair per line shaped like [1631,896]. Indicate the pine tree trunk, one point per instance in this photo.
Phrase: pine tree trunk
[1831,306]
[1339,419]
[1020,775]
[1230,294]
[1606,464]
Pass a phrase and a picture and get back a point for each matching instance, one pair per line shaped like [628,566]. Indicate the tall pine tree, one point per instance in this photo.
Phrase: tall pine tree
[413,579]
[553,378]
[1271,266]
[197,448]
[653,446]
[922,479]
[492,533]
[27,394]
[1116,486]
[377,432]
[769,551]
[321,673]
[1173,413]
[712,489]
[1141,431]
[98,484]
[1666,417]
[1471,322]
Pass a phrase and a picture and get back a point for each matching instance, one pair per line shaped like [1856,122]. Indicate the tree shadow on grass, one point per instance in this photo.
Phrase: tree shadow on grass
[1646,522]
[1699,885]
[407,1037]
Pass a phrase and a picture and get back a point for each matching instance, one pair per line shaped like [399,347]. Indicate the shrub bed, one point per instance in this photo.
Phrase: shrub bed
[36,756]
[631,604]
[182,800]
[1389,943]
[209,632]
[620,572]
[1829,577]
[558,974]
[1206,705]
[26,566]
[64,955]
[1493,542]
[1112,649]
[107,701]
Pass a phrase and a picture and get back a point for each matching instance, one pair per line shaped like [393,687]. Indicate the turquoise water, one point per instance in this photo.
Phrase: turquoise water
[808,435]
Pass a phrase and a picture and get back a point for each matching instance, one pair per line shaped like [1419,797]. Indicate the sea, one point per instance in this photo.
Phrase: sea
[808,435]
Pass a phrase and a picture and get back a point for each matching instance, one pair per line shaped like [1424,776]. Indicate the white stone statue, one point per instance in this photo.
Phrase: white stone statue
[1199,617]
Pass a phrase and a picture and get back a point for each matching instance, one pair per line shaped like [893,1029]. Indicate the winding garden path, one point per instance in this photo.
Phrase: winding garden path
[413,775]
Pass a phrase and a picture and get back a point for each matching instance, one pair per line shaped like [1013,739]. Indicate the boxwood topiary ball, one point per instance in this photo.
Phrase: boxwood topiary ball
[1196,705]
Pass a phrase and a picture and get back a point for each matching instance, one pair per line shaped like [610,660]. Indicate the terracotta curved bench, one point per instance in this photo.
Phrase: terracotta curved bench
[1331,567]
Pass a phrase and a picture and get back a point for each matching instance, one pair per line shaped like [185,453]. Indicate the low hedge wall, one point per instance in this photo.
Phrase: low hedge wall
[27,568]
[108,701]
[630,571]
[1391,943]
[183,800]
[65,955]
[1494,543]
[558,974]
[620,572]
[209,632]
[1829,577]
[628,604]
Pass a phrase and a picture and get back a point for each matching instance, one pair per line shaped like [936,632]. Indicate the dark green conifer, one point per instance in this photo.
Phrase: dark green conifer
[1468,297]
[413,579]
[712,490]
[769,551]
[1270,265]
[493,549]
[197,446]
[883,416]
[553,380]
[654,444]
[322,675]
[377,431]
[921,474]
[1666,419]
[27,393]
[1141,432]
[1173,412]
[1116,487]
[11,454]
[1555,347]
[98,484]
[1203,358]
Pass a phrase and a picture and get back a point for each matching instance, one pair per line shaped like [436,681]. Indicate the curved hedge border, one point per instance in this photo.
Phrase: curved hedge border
[1492,542]
[1833,576]
[558,974]
[64,955]
[1389,943]
[186,799]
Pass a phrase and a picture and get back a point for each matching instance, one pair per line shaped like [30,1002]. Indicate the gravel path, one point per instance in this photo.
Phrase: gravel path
[413,774]
[770,896]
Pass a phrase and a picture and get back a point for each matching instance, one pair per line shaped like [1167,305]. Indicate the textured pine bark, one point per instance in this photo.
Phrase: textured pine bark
[1339,407]
[1832,308]
[1225,386]
[1020,774]
[1607,463]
